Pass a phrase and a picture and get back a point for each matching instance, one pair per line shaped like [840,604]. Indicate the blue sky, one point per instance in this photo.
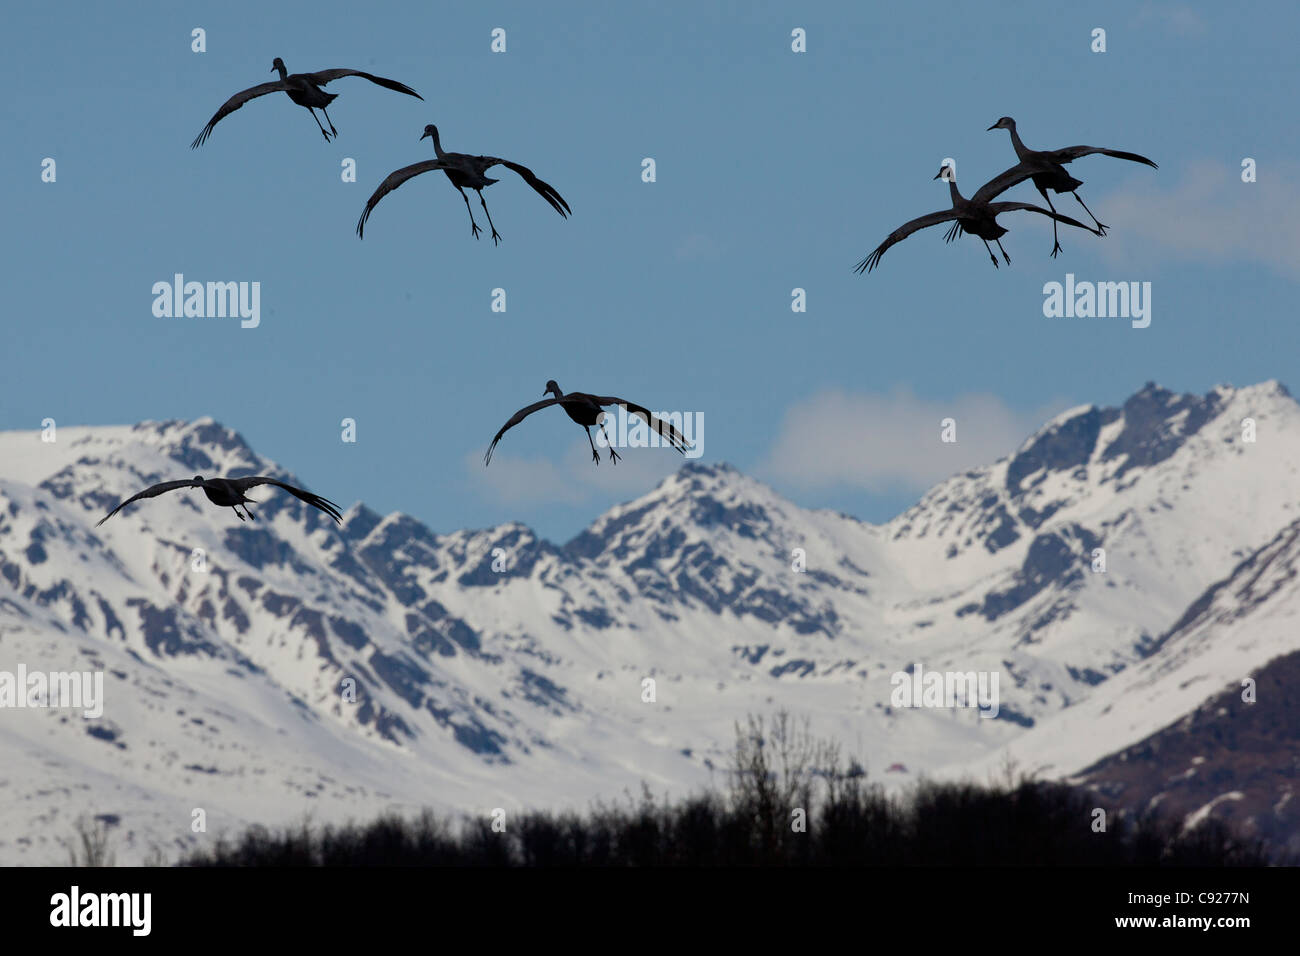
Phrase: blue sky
[775,170]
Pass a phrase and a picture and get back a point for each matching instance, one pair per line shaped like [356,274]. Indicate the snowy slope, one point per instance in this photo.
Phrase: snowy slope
[496,669]
[1226,669]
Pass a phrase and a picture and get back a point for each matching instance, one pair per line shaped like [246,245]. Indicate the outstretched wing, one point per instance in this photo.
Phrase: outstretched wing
[1004,181]
[545,190]
[316,501]
[901,233]
[394,180]
[234,103]
[515,419]
[322,77]
[997,208]
[1074,152]
[152,492]
[664,429]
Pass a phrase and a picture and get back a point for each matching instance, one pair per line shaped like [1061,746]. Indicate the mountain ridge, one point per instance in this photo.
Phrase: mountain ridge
[498,668]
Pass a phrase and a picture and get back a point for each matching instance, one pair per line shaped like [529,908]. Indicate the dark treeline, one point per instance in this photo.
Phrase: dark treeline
[778,774]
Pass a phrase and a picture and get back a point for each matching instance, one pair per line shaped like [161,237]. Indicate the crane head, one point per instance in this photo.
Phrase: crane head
[947,173]
[1005,122]
[198,479]
[277,64]
[429,130]
[552,387]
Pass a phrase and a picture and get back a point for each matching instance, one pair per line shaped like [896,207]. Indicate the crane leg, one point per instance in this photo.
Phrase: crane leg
[1004,252]
[1101,227]
[991,255]
[322,128]
[613,455]
[1056,244]
[472,224]
[595,455]
[328,120]
[496,236]
[249,513]
[237,514]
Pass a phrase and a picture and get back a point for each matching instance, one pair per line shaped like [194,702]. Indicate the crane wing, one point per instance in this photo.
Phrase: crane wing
[234,103]
[321,77]
[1004,181]
[515,419]
[151,492]
[901,233]
[543,189]
[1070,153]
[316,501]
[997,208]
[390,183]
[664,429]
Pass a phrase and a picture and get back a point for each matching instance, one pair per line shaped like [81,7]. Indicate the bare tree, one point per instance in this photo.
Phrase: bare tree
[772,774]
[155,857]
[90,847]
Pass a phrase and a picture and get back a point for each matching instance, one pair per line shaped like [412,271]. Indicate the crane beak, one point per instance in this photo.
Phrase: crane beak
[994,126]
[938,174]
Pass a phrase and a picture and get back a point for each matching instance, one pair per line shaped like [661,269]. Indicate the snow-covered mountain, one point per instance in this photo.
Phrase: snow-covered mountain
[493,668]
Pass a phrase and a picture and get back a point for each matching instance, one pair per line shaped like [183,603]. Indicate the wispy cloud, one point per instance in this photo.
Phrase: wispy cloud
[1211,216]
[880,442]
[1177,18]
[570,476]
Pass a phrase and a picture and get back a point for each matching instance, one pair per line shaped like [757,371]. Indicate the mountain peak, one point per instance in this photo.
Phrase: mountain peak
[1148,428]
[206,434]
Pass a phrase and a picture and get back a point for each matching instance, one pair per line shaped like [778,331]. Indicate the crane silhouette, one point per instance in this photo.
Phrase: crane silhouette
[1047,169]
[976,216]
[229,493]
[304,89]
[587,410]
[464,171]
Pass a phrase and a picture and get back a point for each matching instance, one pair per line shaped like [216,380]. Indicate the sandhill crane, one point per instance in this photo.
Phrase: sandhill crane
[1047,169]
[304,89]
[229,493]
[586,410]
[976,216]
[464,171]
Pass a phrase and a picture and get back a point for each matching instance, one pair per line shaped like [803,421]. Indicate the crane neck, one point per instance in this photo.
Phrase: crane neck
[437,144]
[956,195]
[1017,144]
[284,74]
